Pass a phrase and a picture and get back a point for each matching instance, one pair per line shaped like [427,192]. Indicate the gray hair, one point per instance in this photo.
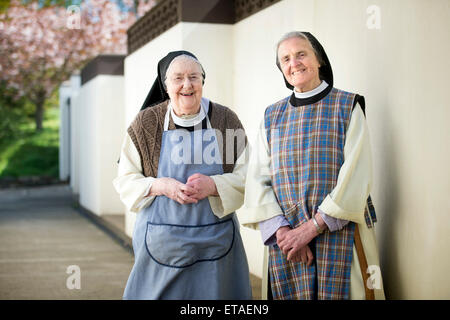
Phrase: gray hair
[184,56]
[300,35]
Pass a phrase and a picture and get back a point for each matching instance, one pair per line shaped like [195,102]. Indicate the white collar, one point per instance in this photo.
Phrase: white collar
[303,95]
[192,121]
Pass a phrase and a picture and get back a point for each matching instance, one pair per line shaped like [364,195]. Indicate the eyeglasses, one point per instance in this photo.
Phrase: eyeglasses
[179,79]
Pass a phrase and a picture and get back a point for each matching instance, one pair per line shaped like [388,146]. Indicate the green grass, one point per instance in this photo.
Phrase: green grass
[32,153]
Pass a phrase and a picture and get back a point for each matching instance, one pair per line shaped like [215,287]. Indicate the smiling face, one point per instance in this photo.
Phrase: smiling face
[299,64]
[184,85]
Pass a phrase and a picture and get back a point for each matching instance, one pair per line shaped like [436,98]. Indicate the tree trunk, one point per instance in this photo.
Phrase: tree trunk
[39,115]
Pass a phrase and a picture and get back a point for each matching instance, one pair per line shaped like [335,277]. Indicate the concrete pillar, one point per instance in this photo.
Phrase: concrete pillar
[100,125]
[75,84]
[64,131]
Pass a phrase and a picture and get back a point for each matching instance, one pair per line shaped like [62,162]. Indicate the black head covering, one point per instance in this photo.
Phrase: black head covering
[325,71]
[158,92]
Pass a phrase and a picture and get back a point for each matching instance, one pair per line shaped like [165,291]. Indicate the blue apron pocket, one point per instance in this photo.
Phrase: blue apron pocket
[181,246]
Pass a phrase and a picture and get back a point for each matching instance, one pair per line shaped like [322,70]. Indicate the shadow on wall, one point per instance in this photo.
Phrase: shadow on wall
[389,207]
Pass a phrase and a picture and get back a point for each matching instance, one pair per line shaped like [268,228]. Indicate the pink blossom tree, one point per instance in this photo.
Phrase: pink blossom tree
[41,46]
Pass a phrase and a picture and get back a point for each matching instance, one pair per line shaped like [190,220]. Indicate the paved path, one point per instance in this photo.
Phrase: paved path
[41,235]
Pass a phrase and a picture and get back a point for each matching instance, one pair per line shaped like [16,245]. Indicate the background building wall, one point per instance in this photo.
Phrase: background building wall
[74,134]
[89,170]
[100,105]
[109,117]
[65,92]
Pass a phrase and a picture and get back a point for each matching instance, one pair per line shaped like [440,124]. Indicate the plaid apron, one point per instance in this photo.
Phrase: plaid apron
[307,151]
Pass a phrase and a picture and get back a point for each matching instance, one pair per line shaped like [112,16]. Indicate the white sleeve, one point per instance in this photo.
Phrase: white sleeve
[130,182]
[260,202]
[230,187]
[348,198]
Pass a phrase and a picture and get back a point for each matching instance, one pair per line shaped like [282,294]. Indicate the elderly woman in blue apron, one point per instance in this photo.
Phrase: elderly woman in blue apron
[185,179]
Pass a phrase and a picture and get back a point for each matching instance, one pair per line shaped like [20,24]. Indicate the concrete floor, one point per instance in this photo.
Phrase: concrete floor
[42,236]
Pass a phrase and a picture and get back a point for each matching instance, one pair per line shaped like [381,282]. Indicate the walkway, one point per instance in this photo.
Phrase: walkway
[46,246]
[41,235]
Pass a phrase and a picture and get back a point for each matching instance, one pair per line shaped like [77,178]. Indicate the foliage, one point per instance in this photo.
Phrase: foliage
[32,153]
[42,43]
[13,113]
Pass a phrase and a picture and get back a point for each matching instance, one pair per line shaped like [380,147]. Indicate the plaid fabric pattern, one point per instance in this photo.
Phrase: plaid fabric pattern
[327,279]
[369,214]
[307,151]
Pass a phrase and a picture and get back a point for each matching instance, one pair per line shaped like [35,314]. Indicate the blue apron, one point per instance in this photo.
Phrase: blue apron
[185,251]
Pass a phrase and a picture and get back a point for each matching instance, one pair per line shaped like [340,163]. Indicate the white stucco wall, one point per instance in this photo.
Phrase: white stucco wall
[64,131]
[75,106]
[101,113]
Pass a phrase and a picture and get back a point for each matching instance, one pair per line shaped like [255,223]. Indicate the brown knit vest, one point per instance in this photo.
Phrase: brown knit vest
[147,128]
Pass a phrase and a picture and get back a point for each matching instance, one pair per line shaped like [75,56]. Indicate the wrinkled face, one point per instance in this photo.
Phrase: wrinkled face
[184,86]
[299,64]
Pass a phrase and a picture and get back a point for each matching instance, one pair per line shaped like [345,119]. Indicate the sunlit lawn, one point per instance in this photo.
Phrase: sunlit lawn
[31,153]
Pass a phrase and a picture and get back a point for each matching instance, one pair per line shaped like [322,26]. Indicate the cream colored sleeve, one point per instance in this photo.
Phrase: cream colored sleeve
[260,202]
[230,187]
[130,183]
[348,198]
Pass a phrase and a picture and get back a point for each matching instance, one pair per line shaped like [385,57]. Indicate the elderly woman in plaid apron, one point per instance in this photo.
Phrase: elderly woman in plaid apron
[310,176]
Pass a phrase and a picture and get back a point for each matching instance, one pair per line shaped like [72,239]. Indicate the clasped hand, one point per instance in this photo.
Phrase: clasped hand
[196,188]
[294,243]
